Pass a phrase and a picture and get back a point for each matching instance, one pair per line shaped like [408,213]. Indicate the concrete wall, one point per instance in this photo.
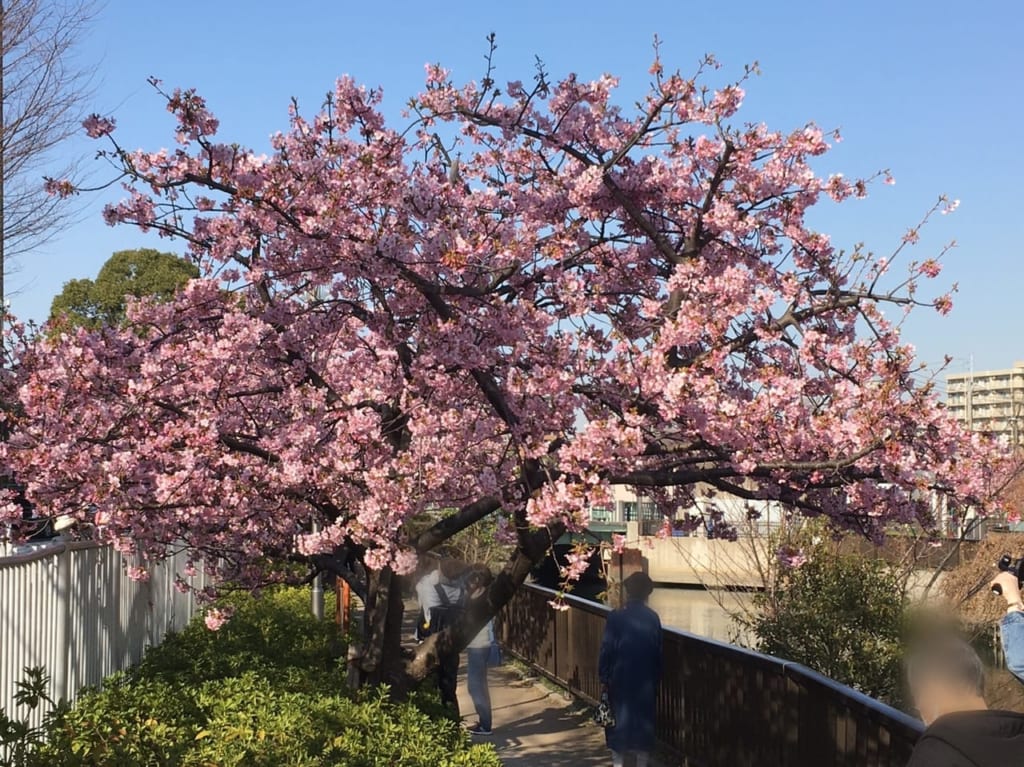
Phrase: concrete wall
[718,564]
[699,561]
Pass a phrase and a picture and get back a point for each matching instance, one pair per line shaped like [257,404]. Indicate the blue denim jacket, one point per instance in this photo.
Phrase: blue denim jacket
[1013,643]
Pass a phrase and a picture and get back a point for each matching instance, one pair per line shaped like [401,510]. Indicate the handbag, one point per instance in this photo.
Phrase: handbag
[494,656]
[603,715]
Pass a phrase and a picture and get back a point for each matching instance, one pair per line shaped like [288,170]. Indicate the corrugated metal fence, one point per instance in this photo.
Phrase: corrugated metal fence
[70,608]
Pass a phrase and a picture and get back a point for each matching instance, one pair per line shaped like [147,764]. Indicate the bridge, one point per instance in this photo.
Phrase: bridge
[696,560]
[686,561]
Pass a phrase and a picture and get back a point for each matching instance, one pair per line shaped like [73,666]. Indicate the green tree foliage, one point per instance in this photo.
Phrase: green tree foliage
[840,614]
[143,272]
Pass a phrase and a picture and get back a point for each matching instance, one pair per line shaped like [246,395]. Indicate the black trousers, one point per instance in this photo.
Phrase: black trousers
[448,680]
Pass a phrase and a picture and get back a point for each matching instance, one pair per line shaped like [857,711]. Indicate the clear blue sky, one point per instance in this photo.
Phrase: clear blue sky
[930,90]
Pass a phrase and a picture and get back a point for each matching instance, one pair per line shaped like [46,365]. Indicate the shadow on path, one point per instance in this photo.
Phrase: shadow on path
[534,727]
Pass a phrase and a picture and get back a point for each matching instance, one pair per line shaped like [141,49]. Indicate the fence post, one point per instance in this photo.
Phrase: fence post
[63,634]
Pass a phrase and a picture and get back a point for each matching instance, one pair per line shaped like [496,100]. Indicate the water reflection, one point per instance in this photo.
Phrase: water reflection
[701,612]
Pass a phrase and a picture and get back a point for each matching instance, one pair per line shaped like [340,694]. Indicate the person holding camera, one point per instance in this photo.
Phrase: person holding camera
[1011,628]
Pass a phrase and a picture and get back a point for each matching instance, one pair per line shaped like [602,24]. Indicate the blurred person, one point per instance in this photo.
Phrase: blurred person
[447,611]
[1011,628]
[947,684]
[630,670]
[481,653]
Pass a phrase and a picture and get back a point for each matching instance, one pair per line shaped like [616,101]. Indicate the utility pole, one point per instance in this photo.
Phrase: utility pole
[317,603]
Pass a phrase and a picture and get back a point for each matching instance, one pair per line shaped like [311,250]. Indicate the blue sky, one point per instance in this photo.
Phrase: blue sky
[929,90]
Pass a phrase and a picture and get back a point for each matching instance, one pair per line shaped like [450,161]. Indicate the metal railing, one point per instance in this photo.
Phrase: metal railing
[718,704]
[70,608]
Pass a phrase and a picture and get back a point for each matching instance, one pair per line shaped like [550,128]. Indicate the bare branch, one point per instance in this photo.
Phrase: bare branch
[45,92]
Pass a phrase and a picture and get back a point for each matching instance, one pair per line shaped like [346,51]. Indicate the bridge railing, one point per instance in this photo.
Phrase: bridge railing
[71,608]
[718,704]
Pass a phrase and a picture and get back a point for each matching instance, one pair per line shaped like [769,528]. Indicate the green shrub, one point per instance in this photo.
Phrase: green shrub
[250,721]
[273,634]
[128,721]
[841,615]
[266,690]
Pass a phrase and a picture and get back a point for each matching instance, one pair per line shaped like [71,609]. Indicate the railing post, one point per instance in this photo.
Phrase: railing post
[554,642]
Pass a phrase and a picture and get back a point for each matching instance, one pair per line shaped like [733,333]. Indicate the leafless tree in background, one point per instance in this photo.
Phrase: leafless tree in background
[44,94]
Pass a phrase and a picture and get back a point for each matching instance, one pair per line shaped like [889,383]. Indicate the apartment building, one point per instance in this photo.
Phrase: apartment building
[990,401]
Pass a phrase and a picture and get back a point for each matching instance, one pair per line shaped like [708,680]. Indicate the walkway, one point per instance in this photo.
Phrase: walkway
[536,727]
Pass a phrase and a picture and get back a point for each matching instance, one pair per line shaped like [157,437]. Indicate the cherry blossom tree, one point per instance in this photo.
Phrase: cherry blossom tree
[497,310]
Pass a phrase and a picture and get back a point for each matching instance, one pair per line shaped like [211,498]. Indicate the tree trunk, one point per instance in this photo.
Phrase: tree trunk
[378,657]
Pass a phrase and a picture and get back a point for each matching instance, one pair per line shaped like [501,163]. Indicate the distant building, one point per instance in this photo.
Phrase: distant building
[626,506]
[748,517]
[990,401]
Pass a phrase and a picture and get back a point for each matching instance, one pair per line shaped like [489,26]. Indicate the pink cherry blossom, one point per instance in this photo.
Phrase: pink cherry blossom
[791,557]
[137,573]
[97,126]
[59,187]
[217,617]
[495,310]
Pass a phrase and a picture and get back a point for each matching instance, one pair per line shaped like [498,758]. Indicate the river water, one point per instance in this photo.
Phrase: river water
[701,612]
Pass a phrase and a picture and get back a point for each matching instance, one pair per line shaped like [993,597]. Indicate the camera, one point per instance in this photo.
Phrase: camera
[1008,564]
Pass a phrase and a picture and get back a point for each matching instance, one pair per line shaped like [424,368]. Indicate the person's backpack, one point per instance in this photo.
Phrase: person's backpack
[448,612]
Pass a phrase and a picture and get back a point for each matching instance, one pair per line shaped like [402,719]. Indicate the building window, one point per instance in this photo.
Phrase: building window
[648,511]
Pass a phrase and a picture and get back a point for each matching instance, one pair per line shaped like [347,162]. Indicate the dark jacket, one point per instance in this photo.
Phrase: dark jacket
[972,739]
[630,664]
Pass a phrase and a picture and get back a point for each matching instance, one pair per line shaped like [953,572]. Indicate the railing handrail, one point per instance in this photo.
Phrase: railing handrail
[875,708]
[42,551]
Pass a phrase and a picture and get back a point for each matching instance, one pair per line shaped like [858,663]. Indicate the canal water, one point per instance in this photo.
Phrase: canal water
[702,612]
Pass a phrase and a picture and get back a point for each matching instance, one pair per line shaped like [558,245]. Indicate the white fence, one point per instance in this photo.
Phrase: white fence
[70,608]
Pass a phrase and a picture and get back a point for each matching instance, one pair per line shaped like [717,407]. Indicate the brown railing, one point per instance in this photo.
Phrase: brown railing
[718,704]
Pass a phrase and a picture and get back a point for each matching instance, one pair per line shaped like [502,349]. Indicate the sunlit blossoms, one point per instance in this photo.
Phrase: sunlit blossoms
[216,617]
[791,557]
[512,302]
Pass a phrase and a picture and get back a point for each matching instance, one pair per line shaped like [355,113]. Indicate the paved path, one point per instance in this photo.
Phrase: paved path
[534,727]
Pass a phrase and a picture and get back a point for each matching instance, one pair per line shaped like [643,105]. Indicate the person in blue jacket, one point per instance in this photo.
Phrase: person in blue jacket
[1011,627]
[630,670]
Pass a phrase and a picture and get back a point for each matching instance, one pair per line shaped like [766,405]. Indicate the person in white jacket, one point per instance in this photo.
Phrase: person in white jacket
[426,596]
